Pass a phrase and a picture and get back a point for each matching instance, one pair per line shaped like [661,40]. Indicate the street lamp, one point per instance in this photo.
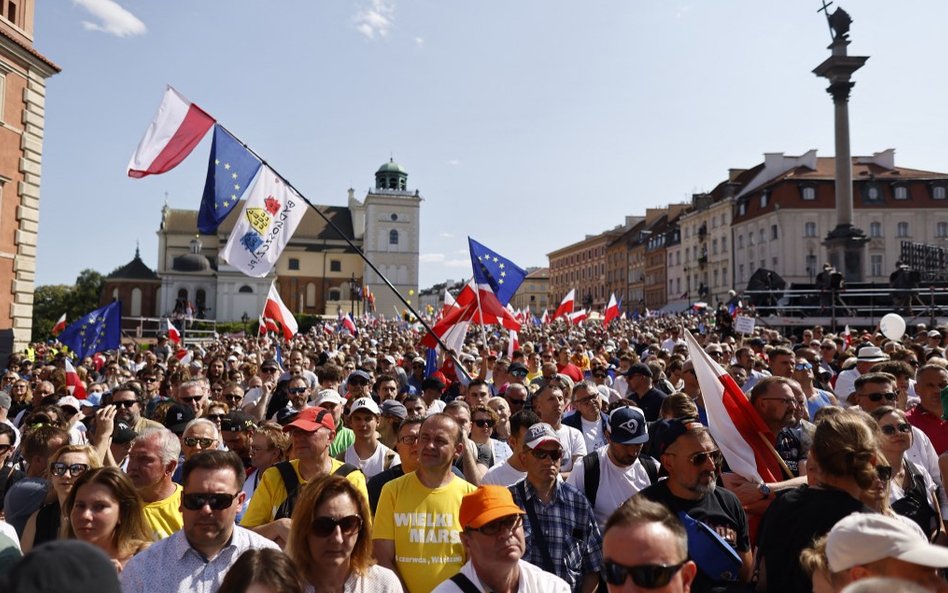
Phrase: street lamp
[244,319]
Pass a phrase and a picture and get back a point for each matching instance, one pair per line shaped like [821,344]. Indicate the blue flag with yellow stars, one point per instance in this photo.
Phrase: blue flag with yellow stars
[502,275]
[97,331]
[229,172]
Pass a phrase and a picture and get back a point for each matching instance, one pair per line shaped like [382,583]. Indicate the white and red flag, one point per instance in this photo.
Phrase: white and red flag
[577,317]
[184,356]
[566,305]
[349,324]
[172,332]
[60,325]
[545,318]
[73,383]
[513,344]
[740,432]
[475,304]
[176,129]
[612,310]
[277,311]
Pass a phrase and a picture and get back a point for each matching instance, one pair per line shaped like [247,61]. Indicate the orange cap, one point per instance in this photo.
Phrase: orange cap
[486,504]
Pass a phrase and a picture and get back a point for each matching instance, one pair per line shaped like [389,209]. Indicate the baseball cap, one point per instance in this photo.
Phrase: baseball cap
[70,401]
[934,333]
[359,374]
[518,367]
[269,364]
[389,359]
[328,396]
[862,538]
[432,383]
[365,403]
[419,360]
[311,419]
[237,421]
[627,426]
[65,566]
[486,504]
[639,369]
[666,432]
[123,433]
[540,433]
[178,417]
[391,407]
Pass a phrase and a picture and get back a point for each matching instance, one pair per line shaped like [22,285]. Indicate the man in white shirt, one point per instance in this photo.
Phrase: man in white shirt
[367,453]
[494,541]
[511,471]
[548,403]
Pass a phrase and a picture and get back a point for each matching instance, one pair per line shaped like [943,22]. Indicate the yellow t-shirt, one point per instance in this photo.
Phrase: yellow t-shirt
[424,525]
[164,516]
[271,492]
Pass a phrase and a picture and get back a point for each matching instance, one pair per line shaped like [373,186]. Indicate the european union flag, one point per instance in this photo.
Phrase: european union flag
[97,331]
[229,172]
[503,276]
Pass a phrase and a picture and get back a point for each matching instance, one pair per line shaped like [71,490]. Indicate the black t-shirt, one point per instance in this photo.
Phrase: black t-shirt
[650,403]
[791,524]
[720,510]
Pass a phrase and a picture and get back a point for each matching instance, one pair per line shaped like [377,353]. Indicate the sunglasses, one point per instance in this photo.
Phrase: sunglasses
[59,469]
[517,402]
[233,397]
[326,526]
[503,525]
[149,379]
[125,403]
[877,397]
[297,390]
[699,459]
[205,443]
[554,455]
[190,400]
[804,366]
[484,422]
[519,373]
[884,473]
[217,502]
[215,417]
[269,370]
[646,576]
[891,429]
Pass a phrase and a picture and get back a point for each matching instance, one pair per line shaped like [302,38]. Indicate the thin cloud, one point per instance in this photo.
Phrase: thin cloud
[375,20]
[431,258]
[454,162]
[446,235]
[112,18]
[419,41]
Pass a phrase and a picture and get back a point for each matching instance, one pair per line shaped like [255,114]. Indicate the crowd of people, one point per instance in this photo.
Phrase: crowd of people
[582,459]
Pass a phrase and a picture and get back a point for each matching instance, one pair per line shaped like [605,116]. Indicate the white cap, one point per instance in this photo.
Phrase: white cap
[862,538]
[365,403]
[70,401]
[329,396]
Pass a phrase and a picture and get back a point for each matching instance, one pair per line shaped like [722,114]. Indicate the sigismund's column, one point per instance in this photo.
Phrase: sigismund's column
[845,244]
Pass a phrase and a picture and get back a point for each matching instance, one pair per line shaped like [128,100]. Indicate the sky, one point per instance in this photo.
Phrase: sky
[526,124]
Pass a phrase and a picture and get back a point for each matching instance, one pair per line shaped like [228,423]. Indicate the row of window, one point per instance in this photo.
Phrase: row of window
[335,265]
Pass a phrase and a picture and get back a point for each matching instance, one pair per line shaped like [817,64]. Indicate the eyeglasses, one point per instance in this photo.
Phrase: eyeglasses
[217,501]
[408,439]
[877,397]
[517,402]
[125,403]
[647,576]
[700,458]
[554,455]
[191,400]
[884,473]
[891,429]
[484,423]
[503,525]
[519,373]
[268,370]
[803,366]
[59,469]
[297,390]
[325,526]
[205,443]
[149,379]
[233,397]
[215,417]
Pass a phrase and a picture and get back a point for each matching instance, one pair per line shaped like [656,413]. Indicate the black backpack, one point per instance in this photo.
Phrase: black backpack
[292,483]
[591,474]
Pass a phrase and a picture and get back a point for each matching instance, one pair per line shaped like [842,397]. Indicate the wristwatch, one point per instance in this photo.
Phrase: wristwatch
[764,490]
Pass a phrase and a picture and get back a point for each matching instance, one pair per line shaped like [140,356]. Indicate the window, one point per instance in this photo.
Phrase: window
[742,209]
[875,265]
[941,230]
[750,239]
[902,230]
[723,244]
[740,241]
[773,263]
[245,289]
[10,12]
[809,193]
[938,192]
[714,247]
[872,193]
[762,238]
[809,229]
[394,217]
[740,273]
[294,263]
[773,232]
[763,199]
[393,237]
[715,279]
[678,258]
[811,264]
[310,294]
[901,192]
[875,229]
[334,294]
[335,265]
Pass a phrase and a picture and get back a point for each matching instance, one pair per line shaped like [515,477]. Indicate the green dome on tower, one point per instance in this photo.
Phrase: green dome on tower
[391,176]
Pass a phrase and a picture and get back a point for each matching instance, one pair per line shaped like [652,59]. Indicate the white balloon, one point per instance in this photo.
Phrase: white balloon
[892,326]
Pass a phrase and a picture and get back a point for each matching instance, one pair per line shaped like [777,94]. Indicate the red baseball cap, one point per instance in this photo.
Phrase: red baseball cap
[311,419]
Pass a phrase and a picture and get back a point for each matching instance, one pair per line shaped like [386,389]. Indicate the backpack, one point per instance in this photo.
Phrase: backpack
[292,484]
[591,473]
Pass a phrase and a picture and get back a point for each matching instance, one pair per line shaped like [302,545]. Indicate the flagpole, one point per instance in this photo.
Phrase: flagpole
[344,237]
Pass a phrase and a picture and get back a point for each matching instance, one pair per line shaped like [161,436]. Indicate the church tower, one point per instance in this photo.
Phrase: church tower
[391,237]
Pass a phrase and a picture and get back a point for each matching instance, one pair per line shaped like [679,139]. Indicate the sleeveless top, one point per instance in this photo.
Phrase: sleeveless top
[48,520]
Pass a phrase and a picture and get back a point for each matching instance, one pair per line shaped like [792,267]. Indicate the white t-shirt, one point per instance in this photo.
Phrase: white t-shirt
[922,453]
[375,463]
[616,484]
[436,407]
[532,580]
[573,445]
[502,474]
[593,434]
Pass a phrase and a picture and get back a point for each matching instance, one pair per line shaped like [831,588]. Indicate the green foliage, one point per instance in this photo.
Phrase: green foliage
[51,301]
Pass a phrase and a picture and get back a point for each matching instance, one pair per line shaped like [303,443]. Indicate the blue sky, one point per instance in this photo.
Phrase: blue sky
[526,124]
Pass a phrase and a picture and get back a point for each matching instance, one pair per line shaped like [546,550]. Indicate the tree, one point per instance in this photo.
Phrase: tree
[51,301]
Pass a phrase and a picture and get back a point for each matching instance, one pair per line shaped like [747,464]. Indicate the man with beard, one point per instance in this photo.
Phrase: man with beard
[691,458]
[127,399]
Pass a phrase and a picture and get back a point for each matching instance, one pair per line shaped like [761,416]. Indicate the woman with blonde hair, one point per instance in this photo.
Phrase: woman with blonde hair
[66,465]
[105,510]
[331,541]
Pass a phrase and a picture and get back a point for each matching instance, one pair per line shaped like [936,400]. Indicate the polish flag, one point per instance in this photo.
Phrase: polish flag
[349,324]
[73,384]
[512,344]
[740,432]
[167,327]
[449,302]
[566,306]
[545,318]
[60,325]
[453,326]
[612,310]
[271,325]
[276,310]
[261,326]
[183,355]
[174,132]
[577,317]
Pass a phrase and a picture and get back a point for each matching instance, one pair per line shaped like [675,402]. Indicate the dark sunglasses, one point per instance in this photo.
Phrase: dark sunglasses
[125,403]
[891,429]
[484,422]
[268,370]
[217,502]
[884,473]
[519,373]
[325,526]
[195,441]
[297,390]
[646,576]
[803,366]
[517,402]
[699,459]
[59,469]
[149,379]
[234,397]
[503,525]
[555,455]
[196,398]
[216,417]
[877,397]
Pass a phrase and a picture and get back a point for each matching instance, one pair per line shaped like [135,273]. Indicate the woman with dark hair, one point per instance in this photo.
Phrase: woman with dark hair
[845,452]
[105,510]
[262,571]
[331,541]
